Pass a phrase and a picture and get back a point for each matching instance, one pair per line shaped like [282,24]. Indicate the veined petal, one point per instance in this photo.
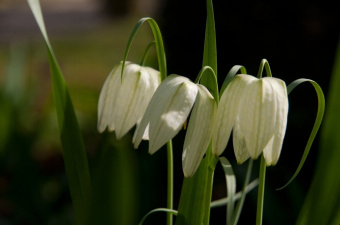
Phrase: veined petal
[239,143]
[167,111]
[199,131]
[272,151]
[138,86]
[257,113]
[227,111]
[107,98]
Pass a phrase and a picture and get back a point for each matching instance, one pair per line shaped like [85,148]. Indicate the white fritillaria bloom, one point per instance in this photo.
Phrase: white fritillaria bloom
[122,102]
[256,110]
[167,112]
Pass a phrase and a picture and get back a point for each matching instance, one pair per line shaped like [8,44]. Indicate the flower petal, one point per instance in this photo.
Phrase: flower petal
[272,151]
[199,131]
[227,111]
[107,99]
[137,88]
[257,113]
[239,143]
[167,111]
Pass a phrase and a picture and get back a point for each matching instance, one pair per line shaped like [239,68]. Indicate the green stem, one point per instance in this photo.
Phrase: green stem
[209,184]
[170,189]
[260,195]
[264,63]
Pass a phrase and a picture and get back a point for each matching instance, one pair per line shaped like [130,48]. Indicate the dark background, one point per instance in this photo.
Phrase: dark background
[299,39]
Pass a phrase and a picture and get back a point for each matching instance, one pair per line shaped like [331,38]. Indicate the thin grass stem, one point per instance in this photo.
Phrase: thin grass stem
[260,195]
[170,188]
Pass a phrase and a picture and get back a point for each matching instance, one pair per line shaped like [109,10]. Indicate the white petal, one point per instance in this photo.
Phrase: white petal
[199,131]
[272,151]
[137,88]
[107,98]
[227,111]
[167,111]
[257,115]
[239,143]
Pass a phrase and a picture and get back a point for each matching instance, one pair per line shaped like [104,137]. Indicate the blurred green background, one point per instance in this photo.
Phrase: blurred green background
[299,39]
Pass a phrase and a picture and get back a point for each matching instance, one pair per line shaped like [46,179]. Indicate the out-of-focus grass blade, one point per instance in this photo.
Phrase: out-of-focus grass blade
[322,205]
[231,187]
[75,158]
[224,201]
[317,123]
[171,211]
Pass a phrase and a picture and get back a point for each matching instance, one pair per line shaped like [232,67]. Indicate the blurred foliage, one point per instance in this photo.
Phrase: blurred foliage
[33,184]
[322,205]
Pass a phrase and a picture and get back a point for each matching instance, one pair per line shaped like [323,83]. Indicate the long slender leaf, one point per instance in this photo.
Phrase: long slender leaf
[75,158]
[317,123]
[169,211]
[322,204]
[231,187]
[194,206]
[210,51]
[224,201]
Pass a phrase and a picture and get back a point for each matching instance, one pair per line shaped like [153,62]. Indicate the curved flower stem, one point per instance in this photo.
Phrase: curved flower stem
[170,188]
[260,195]
[265,64]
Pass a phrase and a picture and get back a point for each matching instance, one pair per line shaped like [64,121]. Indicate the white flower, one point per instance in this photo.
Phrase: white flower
[122,102]
[167,112]
[256,110]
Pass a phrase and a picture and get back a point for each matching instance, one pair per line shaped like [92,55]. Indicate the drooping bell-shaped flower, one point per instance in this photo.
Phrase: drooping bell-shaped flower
[123,100]
[167,112]
[256,110]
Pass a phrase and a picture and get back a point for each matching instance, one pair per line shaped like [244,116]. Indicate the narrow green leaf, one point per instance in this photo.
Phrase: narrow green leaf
[168,211]
[231,187]
[230,76]
[194,205]
[159,44]
[322,204]
[224,201]
[210,52]
[317,123]
[75,158]
[244,192]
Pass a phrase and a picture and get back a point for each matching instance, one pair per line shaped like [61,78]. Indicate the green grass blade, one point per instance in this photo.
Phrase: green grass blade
[317,123]
[244,192]
[75,158]
[231,187]
[224,201]
[159,44]
[194,205]
[210,52]
[169,211]
[322,204]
